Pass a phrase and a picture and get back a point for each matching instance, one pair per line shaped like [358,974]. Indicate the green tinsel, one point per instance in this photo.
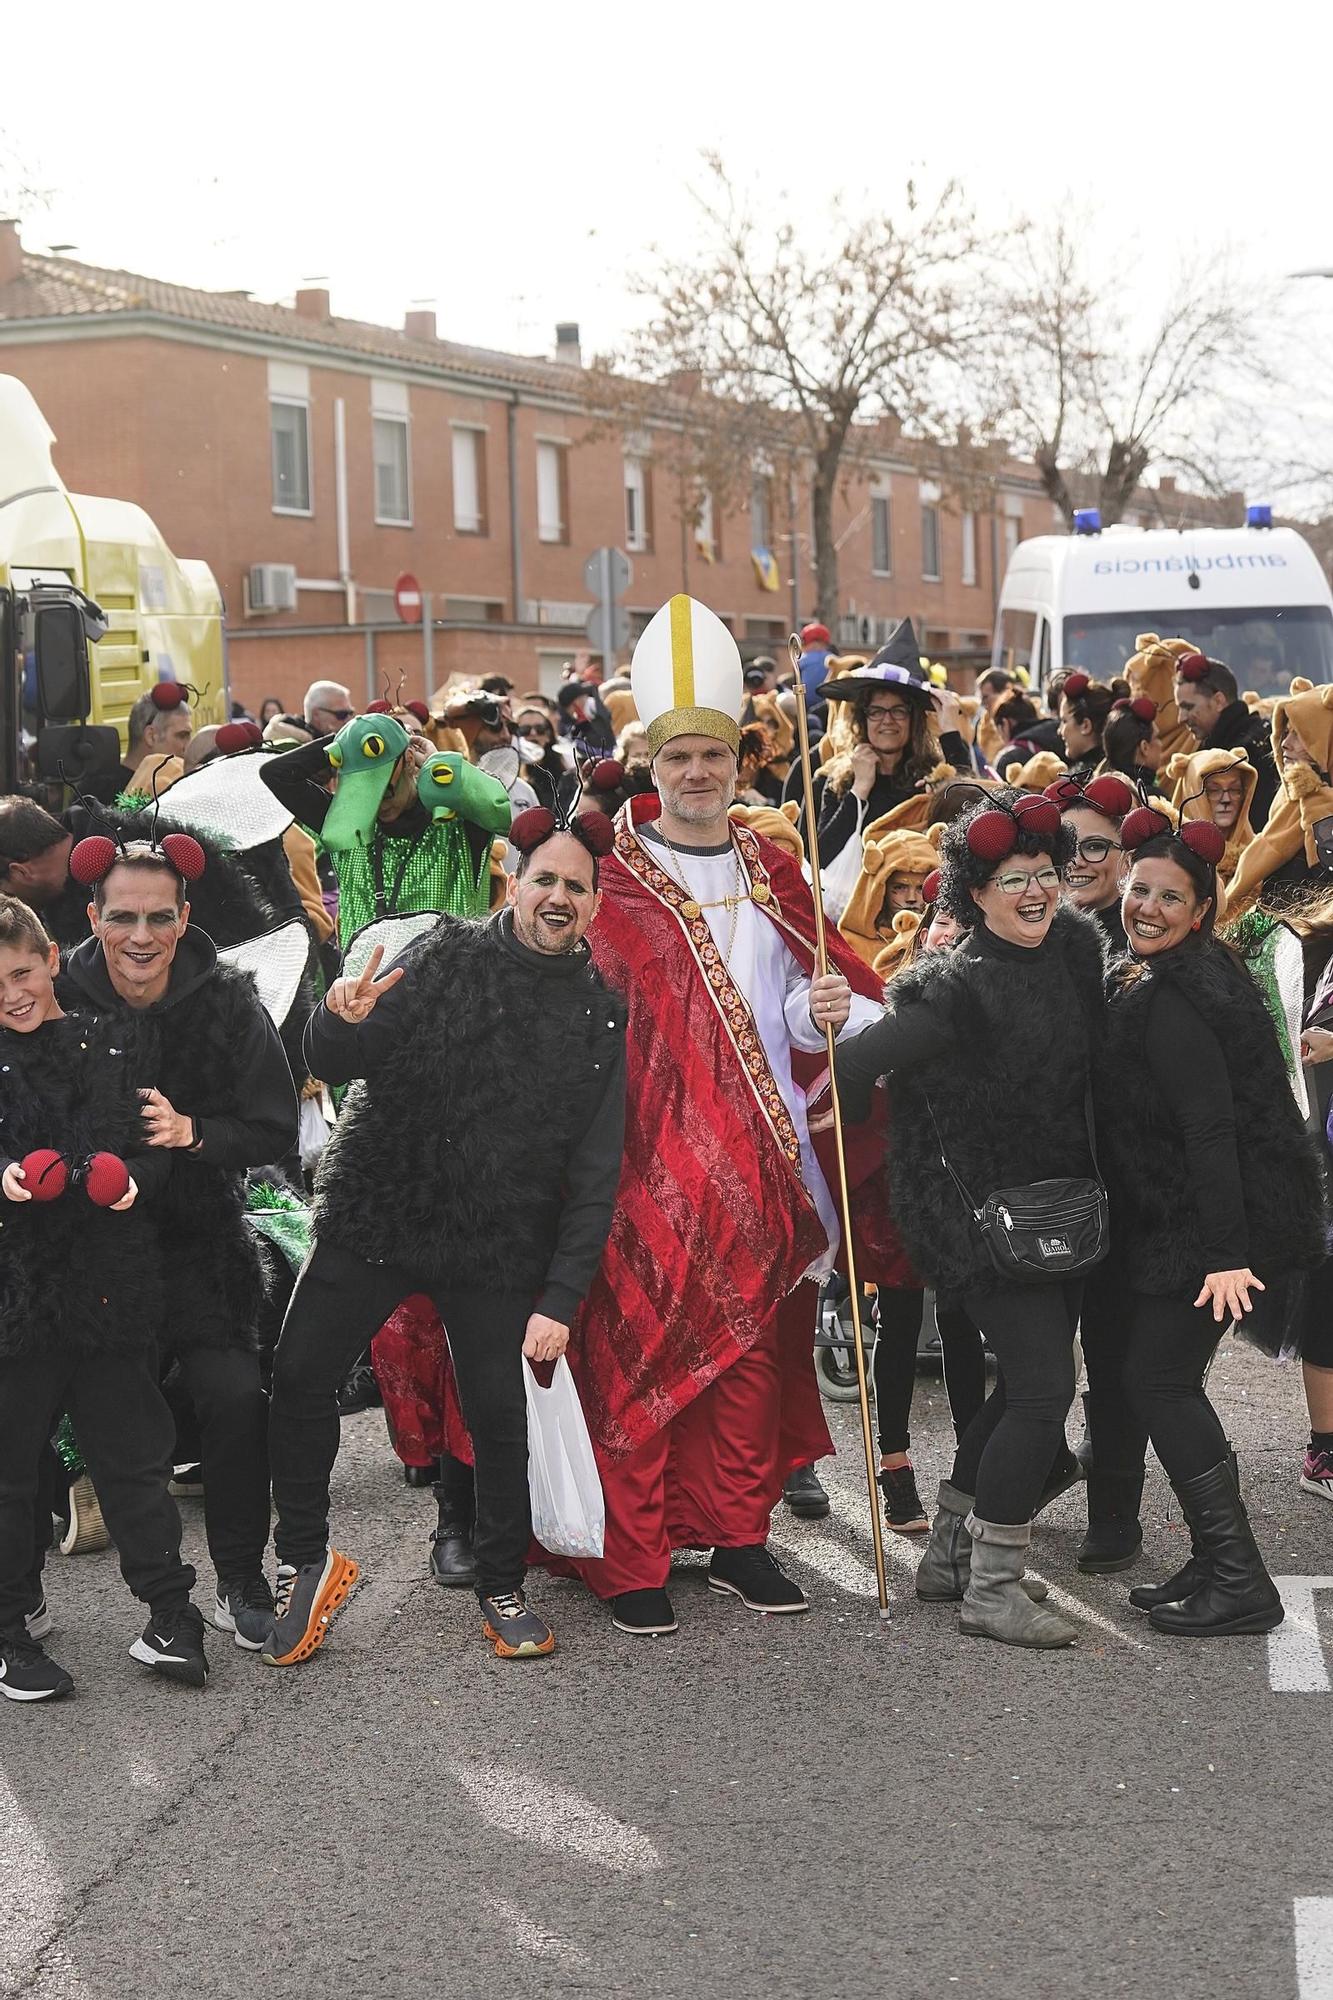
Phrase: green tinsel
[276,1213]
[67,1449]
[132,802]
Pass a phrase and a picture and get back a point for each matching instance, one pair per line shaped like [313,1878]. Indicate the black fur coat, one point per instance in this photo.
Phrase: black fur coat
[1023,1027]
[73,1278]
[450,1161]
[1155,1214]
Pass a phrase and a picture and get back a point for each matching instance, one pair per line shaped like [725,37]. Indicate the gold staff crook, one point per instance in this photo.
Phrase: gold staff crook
[821,955]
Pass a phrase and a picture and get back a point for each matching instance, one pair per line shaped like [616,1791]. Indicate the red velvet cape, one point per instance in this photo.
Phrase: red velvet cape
[713,1225]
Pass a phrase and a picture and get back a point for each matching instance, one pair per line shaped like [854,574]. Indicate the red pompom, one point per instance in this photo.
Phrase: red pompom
[168,694]
[1192,666]
[1065,791]
[107,1179]
[930,888]
[1143,824]
[1145,710]
[531,828]
[993,836]
[185,855]
[1110,795]
[378,708]
[1076,684]
[596,832]
[92,859]
[45,1174]
[420,710]
[234,736]
[607,775]
[1038,814]
[1204,839]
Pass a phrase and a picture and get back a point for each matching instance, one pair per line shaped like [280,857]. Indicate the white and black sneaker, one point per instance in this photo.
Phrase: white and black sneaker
[29,1674]
[757,1577]
[172,1644]
[245,1610]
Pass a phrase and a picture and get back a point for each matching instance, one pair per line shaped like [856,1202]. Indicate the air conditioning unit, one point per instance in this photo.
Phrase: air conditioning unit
[272,587]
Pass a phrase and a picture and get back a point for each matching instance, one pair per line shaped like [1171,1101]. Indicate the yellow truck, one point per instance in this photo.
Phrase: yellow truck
[94,610]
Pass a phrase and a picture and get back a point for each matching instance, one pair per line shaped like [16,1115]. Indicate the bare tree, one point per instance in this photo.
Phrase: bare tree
[1093,400]
[800,348]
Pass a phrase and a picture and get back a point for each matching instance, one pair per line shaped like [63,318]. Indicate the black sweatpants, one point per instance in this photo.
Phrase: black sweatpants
[223,1388]
[125,1434]
[1170,1345]
[1009,1447]
[1119,1434]
[900,1314]
[339,1303]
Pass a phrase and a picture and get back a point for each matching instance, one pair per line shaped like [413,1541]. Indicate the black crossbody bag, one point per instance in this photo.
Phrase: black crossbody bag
[1046,1231]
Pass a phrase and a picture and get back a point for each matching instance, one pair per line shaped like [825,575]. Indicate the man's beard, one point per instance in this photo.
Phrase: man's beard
[695,812]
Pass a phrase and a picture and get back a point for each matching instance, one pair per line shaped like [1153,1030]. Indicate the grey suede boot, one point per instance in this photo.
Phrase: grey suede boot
[995,1605]
[942,1573]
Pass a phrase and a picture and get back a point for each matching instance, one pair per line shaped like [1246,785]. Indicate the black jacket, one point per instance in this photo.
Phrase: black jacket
[1208,1162]
[837,813]
[483,1145]
[1242,728]
[969,1035]
[73,1277]
[212,1051]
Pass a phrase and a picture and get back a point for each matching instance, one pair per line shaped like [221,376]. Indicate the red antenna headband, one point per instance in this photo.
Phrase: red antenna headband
[994,834]
[1205,841]
[1110,796]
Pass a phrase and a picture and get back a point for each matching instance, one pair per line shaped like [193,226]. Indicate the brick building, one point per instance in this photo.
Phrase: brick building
[311,460]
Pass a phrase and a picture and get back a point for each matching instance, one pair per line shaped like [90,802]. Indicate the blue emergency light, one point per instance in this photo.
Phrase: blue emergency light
[1259,517]
[1087,520]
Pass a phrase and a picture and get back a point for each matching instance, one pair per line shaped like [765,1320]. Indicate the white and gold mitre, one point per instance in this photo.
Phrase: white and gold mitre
[686,676]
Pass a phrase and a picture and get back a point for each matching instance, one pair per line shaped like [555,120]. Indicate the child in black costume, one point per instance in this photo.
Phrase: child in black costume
[78,1311]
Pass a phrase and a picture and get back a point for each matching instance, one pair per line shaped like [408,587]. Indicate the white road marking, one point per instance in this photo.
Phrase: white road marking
[553,1816]
[1314,1947]
[520,1931]
[1296,1662]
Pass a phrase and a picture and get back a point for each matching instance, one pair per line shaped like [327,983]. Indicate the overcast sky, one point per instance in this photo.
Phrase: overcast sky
[512,164]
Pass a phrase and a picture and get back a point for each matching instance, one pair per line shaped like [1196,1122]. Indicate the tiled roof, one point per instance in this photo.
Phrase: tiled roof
[58,288]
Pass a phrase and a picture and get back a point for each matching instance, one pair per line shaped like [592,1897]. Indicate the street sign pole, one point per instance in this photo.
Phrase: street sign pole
[608,611]
[428,642]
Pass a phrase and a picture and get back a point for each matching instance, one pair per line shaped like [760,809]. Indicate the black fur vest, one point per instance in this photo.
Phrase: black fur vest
[73,1278]
[451,1162]
[1156,1236]
[1008,1097]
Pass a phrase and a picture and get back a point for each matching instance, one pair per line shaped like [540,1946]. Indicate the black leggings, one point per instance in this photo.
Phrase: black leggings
[1170,1346]
[900,1314]
[1007,1452]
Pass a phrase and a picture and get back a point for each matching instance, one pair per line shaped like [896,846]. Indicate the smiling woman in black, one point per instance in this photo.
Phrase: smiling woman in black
[1215,1194]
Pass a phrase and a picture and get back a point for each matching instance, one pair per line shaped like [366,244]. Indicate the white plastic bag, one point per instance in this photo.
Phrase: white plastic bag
[313,1130]
[844,871]
[568,1511]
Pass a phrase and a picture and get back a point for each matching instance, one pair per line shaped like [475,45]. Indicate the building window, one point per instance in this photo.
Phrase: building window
[1013,534]
[638,505]
[930,542]
[289,432]
[707,530]
[393,481]
[969,548]
[881,535]
[761,510]
[552,493]
[469,467]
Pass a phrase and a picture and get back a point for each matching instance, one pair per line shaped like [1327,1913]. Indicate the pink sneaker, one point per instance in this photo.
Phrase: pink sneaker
[1317,1474]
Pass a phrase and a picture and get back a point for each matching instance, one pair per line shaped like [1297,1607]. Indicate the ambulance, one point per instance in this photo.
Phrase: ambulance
[94,609]
[1254,597]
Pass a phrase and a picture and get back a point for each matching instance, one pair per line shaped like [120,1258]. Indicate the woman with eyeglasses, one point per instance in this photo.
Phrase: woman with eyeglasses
[1215,1193]
[1012,1015]
[895,725]
[1093,813]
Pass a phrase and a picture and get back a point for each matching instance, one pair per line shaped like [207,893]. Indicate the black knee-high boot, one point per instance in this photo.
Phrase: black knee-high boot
[1237,1593]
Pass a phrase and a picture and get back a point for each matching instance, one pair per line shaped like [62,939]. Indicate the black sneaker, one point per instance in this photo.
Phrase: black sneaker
[514,1628]
[643,1613]
[902,1503]
[187,1481]
[246,1611]
[29,1674]
[452,1562]
[307,1601]
[172,1644]
[757,1577]
[804,1494]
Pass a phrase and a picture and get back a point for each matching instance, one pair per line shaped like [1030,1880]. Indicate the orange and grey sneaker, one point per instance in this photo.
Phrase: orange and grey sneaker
[515,1630]
[306,1601]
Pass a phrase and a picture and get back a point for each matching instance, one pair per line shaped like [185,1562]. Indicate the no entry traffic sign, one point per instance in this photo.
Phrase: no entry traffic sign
[407,597]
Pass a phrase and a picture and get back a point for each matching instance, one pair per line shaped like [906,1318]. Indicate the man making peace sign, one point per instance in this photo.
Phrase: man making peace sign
[421,1190]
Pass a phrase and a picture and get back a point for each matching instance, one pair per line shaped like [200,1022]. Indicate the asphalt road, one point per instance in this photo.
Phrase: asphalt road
[789,1807]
